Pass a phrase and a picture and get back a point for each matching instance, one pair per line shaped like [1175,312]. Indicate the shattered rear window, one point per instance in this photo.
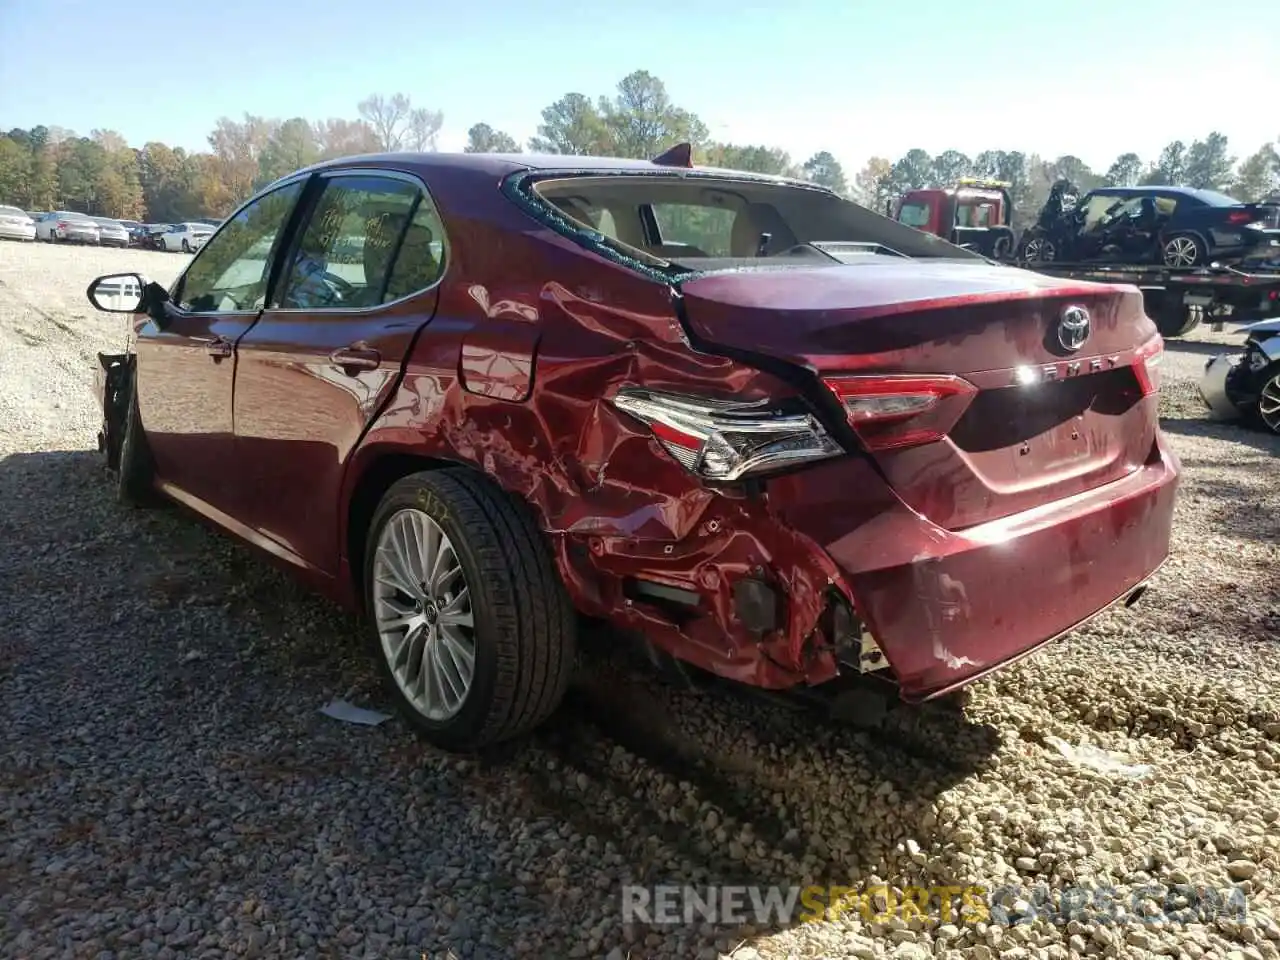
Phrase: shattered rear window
[714,222]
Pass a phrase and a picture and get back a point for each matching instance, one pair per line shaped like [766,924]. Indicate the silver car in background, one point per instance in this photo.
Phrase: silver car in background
[16,225]
[64,225]
[111,232]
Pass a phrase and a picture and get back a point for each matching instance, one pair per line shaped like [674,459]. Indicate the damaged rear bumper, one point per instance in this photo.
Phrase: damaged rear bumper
[831,572]
[953,606]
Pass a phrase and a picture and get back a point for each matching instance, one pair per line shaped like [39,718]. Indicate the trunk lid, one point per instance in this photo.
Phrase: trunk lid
[1044,423]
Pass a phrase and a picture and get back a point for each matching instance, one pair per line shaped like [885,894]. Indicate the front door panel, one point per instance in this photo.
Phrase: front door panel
[319,364]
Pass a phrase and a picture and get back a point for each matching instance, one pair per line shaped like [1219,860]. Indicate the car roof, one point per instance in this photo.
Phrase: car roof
[502,164]
[1157,188]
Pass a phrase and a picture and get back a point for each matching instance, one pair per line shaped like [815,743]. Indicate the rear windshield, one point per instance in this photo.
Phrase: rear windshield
[709,222]
[1215,199]
[11,212]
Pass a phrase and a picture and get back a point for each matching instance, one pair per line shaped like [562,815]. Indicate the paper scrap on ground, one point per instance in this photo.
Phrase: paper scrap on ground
[349,713]
[1098,759]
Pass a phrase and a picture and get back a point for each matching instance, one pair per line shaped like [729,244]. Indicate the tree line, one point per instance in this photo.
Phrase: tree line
[48,168]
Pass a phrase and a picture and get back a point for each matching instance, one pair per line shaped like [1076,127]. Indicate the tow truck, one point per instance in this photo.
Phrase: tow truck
[977,214]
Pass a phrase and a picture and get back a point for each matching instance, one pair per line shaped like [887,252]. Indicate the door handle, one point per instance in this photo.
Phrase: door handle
[216,347]
[355,358]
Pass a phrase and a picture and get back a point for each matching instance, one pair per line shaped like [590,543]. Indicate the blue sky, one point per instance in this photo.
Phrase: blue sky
[856,77]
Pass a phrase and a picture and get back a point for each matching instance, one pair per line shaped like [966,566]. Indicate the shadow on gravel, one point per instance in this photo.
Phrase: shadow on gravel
[752,789]
[1238,431]
[1198,348]
[225,664]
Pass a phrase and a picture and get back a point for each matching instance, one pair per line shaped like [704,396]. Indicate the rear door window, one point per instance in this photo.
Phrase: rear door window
[344,257]
[708,230]
[420,259]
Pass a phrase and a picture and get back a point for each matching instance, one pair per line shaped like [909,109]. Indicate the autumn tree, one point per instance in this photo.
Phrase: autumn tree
[873,186]
[398,124]
[337,137]
[15,173]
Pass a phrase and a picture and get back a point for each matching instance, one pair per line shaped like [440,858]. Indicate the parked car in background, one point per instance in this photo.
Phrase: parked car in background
[111,233]
[151,237]
[780,436]
[187,237]
[138,232]
[16,225]
[64,225]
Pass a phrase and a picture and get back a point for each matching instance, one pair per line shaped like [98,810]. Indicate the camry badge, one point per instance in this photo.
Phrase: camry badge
[1073,328]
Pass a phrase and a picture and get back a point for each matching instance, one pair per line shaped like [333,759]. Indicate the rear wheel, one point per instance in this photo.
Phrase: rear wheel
[186,247]
[471,624]
[1039,250]
[1171,316]
[1183,250]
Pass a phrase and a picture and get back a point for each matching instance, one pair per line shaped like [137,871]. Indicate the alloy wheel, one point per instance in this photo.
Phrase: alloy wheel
[1181,252]
[1039,249]
[1269,404]
[422,611]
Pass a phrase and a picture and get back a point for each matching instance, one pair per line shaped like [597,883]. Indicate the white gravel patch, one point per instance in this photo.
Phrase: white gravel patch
[169,789]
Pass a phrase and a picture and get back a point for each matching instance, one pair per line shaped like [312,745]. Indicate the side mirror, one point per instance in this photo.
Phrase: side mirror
[117,292]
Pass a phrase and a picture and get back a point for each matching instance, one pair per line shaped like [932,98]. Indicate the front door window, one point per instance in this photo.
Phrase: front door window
[230,273]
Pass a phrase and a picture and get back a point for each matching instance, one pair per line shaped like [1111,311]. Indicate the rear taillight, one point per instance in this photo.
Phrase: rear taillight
[727,440]
[62,224]
[901,411]
[1146,365]
[1237,217]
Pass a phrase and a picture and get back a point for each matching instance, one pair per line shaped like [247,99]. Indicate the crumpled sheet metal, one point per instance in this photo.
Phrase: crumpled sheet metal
[528,405]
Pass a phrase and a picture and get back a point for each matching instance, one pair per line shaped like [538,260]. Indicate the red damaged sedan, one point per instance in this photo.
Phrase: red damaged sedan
[779,435]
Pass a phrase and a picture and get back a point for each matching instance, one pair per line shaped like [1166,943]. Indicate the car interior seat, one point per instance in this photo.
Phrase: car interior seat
[415,266]
[751,223]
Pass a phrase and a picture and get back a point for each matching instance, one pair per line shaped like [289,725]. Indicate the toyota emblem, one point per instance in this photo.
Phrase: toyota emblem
[1073,328]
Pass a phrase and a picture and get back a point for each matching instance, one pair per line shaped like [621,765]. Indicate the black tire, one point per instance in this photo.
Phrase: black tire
[1172,317]
[186,247]
[525,626]
[135,474]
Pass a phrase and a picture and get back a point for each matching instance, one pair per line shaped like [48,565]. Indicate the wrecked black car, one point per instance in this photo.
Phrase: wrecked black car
[1172,227]
[1247,384]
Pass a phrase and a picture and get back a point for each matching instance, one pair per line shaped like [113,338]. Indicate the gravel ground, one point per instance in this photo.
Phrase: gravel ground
[169,789]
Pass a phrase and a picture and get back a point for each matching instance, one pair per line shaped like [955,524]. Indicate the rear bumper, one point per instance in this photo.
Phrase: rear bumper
[1212,387]
[952,606]
[12,231]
